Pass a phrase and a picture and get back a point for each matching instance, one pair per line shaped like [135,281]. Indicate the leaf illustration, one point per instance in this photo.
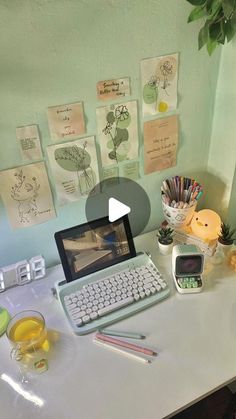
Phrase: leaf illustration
[121,135]
[112,155]
[72,158]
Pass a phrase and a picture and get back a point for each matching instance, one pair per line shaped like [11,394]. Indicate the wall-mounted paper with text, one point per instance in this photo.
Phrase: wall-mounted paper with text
[160,143]
[66,121]
[74,167]
[29,142]
[113,89]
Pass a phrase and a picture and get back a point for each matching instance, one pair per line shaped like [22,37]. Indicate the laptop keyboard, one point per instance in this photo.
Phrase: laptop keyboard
[97,300]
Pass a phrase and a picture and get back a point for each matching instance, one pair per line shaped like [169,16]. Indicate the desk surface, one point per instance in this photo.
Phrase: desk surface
[195,336]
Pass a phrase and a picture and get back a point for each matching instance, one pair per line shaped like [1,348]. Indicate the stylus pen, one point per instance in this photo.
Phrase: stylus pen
[130,335]
[125,344]
[122,352]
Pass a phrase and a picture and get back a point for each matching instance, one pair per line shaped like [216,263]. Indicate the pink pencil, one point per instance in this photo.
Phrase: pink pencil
[125,344]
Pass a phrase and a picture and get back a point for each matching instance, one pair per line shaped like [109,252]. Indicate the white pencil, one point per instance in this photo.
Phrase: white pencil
[122,352]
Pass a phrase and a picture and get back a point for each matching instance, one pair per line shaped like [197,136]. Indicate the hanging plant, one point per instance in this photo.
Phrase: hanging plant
[220,22]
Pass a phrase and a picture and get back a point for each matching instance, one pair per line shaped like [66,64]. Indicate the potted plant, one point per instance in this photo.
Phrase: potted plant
[226,237]
[165,240]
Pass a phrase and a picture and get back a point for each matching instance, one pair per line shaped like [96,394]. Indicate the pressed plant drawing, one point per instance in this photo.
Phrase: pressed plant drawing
[118,120]
[25,194]
[74,158]
[159,78]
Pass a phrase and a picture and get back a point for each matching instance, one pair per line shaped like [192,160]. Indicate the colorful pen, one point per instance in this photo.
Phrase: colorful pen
[125,344]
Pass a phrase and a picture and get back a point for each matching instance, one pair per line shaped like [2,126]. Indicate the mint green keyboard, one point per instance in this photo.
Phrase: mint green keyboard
[112,294]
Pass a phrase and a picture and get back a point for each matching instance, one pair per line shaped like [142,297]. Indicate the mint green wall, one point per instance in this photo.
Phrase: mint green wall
[222,152]
[53,52]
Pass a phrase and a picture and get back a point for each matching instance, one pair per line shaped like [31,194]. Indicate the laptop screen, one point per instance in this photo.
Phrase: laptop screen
[87,248]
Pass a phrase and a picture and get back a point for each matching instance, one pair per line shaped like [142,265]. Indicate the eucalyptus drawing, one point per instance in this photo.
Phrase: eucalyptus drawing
[118,120]
[25,194]
[77,159]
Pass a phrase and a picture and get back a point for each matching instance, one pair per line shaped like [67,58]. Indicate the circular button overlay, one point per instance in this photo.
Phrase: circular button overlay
[125,191]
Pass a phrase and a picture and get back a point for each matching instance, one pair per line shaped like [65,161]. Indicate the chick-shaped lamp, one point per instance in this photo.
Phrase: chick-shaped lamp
[206,224]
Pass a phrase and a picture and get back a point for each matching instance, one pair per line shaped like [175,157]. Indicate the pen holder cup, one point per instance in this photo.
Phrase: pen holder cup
[178,217]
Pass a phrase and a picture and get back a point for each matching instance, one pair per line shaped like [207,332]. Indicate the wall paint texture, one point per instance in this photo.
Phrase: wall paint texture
[54,52]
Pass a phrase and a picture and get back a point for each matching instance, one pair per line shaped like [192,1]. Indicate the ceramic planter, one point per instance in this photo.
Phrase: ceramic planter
[224,248]
[165,249]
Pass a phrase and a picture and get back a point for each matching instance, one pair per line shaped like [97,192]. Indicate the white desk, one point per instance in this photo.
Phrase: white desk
[195,336]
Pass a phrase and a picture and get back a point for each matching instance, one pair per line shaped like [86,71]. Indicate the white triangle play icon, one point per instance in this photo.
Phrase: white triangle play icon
[116,209]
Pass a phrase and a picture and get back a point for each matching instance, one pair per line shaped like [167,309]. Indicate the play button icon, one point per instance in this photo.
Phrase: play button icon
[116,209]
[116,197]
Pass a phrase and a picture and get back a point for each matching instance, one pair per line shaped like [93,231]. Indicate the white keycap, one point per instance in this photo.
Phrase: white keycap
[86,319]
[73,305]
[79,322]
[79,314]
[115,306]
[93,315]
[74,300]
[136,297]
[142,294]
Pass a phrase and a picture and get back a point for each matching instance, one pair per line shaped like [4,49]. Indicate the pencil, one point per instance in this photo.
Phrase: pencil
[125,344]
[129,335]
[122,352]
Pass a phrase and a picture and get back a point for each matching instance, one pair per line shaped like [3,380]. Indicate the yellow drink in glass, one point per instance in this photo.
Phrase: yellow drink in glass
[28,335]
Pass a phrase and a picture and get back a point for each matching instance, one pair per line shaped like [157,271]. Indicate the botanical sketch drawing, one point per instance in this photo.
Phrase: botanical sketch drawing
[159,83]
[25,194]
[77,159]
[118,121]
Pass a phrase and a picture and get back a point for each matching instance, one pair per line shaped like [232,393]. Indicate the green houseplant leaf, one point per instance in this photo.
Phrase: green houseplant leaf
[197,2]
[228,8]
[220,22]
[196,13]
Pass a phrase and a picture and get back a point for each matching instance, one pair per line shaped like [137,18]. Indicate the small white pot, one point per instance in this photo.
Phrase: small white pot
[165,249]
[225,248]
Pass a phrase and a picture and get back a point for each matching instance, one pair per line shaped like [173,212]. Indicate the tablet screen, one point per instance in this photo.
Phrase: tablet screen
[87,248]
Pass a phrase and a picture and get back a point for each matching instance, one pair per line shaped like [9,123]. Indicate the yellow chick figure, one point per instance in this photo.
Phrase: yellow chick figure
[206,224]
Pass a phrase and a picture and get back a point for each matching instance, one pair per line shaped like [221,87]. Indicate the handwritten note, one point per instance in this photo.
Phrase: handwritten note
[160,144]
[113,89]
[29,141]
[66,121]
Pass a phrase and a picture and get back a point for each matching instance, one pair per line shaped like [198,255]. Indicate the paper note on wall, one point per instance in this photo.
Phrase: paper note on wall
[75,168]
[26,194]
[160,143]
[113,89]
[66,121]
[118,133]
[159,84]
[29,142]
[130,170]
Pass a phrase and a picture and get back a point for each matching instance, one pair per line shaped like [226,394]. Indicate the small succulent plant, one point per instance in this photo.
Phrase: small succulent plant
[164,235]
[226,235]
